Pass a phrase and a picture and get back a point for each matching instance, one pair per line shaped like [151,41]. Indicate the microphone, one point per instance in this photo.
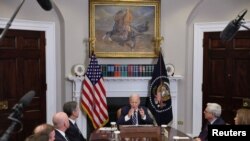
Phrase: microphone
[45,4]
[24,102]
[16,114]
[233,26]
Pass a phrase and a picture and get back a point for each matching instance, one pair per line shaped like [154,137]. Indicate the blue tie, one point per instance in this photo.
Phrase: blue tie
[134,118]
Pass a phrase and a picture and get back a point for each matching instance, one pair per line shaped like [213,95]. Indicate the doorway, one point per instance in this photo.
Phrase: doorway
[199,29]
[49,29]
[22,69]
[226,67]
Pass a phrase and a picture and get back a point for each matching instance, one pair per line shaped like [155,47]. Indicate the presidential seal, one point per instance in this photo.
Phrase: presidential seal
[160,98]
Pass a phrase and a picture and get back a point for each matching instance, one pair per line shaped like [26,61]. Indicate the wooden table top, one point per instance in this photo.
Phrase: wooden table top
[139,134]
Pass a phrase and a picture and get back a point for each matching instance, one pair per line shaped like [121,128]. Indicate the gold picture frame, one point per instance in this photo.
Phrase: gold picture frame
[124,28]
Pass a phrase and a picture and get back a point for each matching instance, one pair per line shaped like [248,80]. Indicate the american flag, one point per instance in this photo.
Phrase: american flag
[93,98]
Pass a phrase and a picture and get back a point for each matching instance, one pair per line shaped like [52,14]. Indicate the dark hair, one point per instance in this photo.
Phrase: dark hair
[69,107]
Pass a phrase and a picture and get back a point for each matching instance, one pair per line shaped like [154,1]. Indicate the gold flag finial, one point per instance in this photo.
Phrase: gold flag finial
[158,41]
[92,44]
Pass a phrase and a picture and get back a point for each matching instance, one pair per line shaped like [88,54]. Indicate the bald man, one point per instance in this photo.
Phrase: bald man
[134,114]
[61,124]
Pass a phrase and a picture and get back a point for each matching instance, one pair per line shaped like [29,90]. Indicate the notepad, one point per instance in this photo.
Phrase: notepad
[180,138]
[105,128]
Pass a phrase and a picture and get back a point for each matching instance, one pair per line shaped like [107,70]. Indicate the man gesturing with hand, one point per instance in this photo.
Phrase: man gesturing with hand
[134,114]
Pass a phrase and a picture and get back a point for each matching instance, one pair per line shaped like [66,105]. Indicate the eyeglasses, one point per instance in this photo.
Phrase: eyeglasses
[206,111]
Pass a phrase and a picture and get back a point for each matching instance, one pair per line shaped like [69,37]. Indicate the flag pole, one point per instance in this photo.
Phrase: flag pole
[161,58]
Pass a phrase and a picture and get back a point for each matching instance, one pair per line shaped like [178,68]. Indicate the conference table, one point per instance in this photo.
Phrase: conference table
[139,133]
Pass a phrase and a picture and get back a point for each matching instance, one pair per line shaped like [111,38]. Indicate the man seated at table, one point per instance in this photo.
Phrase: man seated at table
[212,114]
[134,114]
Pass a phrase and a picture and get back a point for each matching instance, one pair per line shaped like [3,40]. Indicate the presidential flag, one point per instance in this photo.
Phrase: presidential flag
[160,99]
[93,99]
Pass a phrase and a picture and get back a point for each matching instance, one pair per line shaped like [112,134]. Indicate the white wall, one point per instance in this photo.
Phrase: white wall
[177,20]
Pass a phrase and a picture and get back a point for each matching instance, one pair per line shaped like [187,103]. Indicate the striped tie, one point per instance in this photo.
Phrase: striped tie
[134,118]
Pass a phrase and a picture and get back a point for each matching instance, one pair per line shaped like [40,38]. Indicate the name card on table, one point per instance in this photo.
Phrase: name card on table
[139,131]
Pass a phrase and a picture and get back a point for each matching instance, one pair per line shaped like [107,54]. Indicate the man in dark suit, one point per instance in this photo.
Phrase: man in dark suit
[61,124]
[134,114]
[72,110]
[212,114]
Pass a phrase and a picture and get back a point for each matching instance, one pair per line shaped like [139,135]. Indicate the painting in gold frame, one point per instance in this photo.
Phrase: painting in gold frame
[124,28]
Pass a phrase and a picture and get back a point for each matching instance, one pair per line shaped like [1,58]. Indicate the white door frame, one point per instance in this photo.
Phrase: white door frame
[199,29]
[49,28]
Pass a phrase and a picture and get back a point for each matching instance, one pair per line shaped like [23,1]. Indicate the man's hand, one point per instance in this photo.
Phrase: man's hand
[197,139]
[130,112]
[142,113]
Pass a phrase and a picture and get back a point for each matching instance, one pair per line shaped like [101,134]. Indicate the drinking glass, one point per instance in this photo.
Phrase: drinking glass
[113,126]
[163,129]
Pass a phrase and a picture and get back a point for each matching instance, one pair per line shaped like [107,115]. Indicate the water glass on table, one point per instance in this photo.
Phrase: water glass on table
[163,130]
[113,126]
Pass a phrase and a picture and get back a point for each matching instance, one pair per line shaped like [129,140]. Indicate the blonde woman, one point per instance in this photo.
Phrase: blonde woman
[242,117]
